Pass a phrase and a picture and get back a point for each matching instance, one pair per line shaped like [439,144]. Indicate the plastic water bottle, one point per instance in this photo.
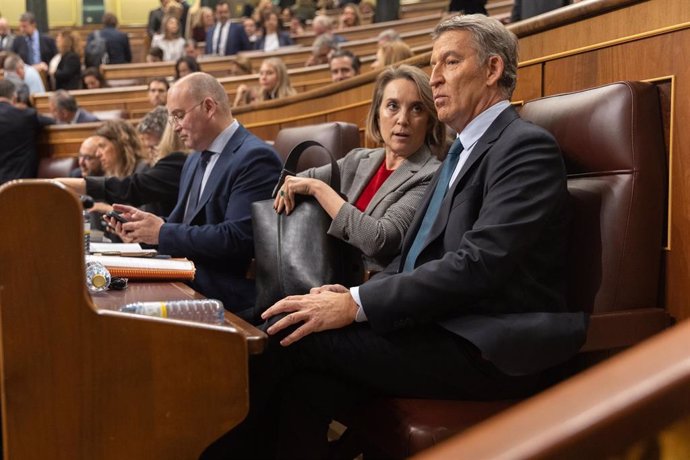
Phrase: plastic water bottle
[203,310]
[97,277]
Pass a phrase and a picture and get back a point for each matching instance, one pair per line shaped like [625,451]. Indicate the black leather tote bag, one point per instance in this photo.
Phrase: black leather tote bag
[294,253]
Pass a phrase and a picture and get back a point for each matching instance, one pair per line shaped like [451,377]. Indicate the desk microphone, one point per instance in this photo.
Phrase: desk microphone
[86,201]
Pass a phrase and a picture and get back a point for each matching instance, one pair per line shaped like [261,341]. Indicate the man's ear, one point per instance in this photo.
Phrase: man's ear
[494,70]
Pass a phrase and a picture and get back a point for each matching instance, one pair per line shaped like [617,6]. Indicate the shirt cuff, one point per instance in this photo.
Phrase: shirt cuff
[361,316]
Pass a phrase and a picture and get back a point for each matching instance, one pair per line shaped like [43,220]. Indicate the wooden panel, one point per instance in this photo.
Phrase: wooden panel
[99,384]
[635,19]
[529,83]
[372,30]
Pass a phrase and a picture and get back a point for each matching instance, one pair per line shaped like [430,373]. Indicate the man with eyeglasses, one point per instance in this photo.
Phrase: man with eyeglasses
[89,164]
[211,222]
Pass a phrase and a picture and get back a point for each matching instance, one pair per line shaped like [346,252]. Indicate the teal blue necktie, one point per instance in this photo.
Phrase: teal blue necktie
[434,204]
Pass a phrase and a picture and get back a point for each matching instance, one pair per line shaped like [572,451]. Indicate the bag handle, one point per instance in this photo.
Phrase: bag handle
[291,165]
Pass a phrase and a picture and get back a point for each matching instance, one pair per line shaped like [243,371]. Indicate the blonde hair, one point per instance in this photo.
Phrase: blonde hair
[283,87]
[170,142]
[394,51]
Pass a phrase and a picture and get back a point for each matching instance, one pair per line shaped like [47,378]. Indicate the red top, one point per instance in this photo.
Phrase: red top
[372,187]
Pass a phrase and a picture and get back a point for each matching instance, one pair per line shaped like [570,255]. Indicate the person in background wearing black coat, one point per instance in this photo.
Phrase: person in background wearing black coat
[523,9]
[65,68]
[117,42]
[156,187]
[468,6]
[19,129]
[35,48]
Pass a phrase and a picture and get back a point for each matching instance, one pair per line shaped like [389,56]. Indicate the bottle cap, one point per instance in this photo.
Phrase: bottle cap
[98,280]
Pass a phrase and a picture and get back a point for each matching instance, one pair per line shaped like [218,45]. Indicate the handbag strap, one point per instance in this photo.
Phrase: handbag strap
[290,165]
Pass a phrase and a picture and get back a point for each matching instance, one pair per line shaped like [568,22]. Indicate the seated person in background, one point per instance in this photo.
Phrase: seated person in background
[211,222]
[474,308]
[66,111]
[155,54]
[19,131]
[252,30]
[157,91]
[323,25]
[65,67]
[383,186]
[350,17]
[92,78]
[120,150]
[343,65]
[304,10]
[21,74]
[186,65]
[190,49]
[272,37]
[240,65]
[150,129]
[323,46]
[390,53]
[388,35]
[202,23]
[274,83]
[89,164]
[155,188]
[170,40]
[297,26]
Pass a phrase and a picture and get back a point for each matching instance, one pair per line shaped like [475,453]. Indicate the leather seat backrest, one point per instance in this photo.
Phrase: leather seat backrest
[613,145]
[56,167]
[338,137]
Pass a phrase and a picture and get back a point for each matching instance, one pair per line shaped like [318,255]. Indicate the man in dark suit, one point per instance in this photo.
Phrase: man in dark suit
[117,42]
[473,308]
[19,130]
[226,38]
[35,48]
[211,223]
[66,111]
[527,9]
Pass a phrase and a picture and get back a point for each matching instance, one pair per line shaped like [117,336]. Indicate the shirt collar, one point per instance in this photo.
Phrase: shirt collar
[223,138]
[477,127]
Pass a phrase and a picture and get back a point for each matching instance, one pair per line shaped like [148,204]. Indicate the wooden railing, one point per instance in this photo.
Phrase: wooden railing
[596,414]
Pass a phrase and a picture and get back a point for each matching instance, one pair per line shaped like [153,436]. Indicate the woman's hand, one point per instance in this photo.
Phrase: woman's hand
[293,185]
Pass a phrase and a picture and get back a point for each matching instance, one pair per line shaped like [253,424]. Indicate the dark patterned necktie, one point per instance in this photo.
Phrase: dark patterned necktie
[195,189]
[448,167]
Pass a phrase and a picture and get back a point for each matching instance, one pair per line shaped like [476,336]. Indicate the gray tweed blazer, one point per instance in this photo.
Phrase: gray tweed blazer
[378,231]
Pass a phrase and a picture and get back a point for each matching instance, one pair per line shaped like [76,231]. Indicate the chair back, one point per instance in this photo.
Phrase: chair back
[613,144]
[338,137]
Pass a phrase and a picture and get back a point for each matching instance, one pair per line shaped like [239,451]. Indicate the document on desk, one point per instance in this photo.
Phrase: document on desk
[138,268]
[121,249]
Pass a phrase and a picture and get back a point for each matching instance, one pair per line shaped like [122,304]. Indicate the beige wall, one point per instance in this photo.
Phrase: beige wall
[64,13]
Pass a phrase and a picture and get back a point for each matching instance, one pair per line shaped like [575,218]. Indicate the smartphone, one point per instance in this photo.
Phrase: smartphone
[117,216]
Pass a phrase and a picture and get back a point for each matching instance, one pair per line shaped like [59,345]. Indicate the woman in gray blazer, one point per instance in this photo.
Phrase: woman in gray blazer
[383,186]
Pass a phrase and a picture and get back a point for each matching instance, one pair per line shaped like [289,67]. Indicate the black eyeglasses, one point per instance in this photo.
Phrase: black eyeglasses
[178,116]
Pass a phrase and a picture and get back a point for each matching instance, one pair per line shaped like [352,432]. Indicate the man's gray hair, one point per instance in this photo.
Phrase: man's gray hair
[65,101]
[7,89]
[491,38]
[11,62]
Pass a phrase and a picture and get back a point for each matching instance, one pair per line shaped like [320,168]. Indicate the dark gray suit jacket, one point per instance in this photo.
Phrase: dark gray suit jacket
[492,268]
[379,231]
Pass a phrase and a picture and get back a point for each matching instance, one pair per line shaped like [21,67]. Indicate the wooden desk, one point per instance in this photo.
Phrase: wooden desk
[152,291]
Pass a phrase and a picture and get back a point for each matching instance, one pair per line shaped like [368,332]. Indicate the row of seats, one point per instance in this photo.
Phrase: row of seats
[612,140]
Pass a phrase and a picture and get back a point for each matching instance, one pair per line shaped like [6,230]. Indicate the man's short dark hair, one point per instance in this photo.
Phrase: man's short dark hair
[356,64]
[109,20]
[7,89]
[28,17]
[156,52]
[162,80]
[65,101]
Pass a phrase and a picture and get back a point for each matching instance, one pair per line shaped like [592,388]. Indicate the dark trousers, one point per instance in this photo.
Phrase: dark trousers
[296,391]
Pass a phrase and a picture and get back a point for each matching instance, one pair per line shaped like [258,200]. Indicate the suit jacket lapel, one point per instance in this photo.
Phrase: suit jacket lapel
[405,171]
[365,171]
[218,172]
